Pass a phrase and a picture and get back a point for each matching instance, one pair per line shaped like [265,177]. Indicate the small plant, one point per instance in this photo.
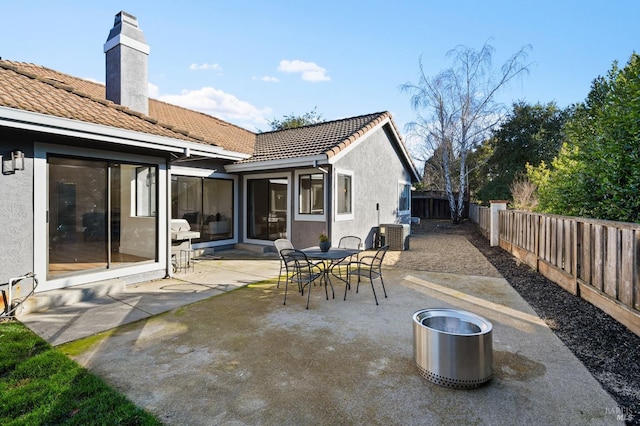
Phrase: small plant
[323,237]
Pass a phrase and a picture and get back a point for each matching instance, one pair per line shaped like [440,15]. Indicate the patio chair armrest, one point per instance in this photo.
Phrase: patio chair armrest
[367,260]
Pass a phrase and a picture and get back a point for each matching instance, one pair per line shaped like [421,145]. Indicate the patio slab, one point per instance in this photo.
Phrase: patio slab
[243,357]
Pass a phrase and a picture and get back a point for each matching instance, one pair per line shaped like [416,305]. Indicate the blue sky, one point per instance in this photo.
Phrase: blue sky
[249,62]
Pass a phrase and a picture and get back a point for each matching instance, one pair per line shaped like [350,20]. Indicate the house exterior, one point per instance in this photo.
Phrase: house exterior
[94,174]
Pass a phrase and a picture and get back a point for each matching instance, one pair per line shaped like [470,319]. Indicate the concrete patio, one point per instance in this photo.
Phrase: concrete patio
[243,358]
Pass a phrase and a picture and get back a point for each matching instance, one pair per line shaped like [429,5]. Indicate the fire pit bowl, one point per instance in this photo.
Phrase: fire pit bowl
[453,348]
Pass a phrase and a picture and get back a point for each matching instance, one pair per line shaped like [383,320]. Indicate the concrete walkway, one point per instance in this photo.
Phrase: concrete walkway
[243,358]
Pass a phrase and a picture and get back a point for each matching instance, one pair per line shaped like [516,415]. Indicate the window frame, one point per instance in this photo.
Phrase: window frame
[338,215]
[309,217]
[213,174]
[402,186]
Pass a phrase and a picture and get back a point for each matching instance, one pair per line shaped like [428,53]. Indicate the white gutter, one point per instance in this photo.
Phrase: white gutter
[26,120]
[311,161]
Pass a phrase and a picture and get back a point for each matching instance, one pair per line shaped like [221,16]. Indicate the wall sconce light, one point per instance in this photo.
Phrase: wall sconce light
[16,162]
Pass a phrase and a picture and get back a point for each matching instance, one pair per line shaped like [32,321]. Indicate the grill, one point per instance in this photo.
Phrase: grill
[453,348]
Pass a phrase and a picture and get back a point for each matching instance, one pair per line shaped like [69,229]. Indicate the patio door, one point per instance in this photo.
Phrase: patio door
[267,212]
[101,215]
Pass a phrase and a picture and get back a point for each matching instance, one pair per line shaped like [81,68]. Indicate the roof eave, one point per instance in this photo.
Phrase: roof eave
[341,149]
[286,163]
[405,151]
[33,121]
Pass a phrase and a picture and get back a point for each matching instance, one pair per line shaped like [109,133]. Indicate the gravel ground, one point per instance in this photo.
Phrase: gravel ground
[607,349]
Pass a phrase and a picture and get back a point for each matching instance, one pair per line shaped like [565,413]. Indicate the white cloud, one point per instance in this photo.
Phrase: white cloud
[153,90]
[267,79]
[310,71]
[214,67]
[220,105]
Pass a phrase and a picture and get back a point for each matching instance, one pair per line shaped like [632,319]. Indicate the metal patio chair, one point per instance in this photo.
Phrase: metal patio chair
[369,267]
[301,271]
[282,244]
[349,242]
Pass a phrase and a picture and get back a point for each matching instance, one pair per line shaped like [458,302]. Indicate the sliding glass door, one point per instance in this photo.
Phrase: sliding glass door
[267,212]
[101,215]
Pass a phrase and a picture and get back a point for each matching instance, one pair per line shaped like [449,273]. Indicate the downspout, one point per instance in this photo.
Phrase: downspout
[330,200]
[169,268]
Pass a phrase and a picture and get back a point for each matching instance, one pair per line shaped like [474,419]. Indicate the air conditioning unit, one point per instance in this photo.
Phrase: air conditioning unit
[395,235]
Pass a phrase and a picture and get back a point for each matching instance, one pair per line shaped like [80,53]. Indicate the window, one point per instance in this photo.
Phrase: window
[311,198]
[404,197]
[344,194]
[207,204]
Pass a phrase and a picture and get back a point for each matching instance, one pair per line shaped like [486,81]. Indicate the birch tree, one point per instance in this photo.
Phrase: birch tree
[456,110]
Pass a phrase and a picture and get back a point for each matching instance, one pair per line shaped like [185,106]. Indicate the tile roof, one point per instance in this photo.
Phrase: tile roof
[38,89]
[35,88]
[327,138]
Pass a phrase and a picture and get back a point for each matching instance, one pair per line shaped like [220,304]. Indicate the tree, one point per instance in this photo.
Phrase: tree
[596,172]
[292,121]
[529,134]
[456,109]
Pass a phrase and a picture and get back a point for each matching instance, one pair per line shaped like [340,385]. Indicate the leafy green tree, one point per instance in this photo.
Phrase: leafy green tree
[292,121]
[597,173]
[456,109]
[529,134]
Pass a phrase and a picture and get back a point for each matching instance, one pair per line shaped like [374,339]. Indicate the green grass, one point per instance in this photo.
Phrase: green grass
[41,386]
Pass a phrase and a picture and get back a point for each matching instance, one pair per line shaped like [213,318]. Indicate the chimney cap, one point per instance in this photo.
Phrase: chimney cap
[125,31]
[126,17]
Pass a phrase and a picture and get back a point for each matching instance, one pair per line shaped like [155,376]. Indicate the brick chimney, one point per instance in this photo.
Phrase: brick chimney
[126,58]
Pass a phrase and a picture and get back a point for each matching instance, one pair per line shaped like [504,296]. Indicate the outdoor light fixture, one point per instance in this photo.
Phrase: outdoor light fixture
[16,162]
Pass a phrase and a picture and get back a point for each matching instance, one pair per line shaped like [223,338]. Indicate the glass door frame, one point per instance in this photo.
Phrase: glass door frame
[245,211]
[41,226]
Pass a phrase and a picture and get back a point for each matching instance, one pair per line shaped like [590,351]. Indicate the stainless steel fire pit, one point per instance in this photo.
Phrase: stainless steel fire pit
[453,348]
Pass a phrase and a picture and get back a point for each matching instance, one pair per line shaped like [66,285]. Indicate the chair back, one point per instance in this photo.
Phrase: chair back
[350,242]
[379,256]
[282,244]
[295,261]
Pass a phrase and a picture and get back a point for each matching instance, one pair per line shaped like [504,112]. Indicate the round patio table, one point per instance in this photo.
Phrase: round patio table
[334,255]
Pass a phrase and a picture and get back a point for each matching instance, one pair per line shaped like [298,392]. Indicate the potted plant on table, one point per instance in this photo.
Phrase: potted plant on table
[324,242]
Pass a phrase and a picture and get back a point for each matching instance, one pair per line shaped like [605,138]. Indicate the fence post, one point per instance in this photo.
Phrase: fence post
[494,228]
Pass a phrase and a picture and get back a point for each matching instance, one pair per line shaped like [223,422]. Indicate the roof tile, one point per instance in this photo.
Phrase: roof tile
[38,89]
[29,87]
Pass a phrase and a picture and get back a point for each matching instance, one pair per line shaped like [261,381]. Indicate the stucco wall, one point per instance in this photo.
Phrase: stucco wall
[377,171]
[16,214]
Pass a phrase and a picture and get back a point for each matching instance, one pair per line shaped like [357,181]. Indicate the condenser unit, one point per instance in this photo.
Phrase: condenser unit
[395,235]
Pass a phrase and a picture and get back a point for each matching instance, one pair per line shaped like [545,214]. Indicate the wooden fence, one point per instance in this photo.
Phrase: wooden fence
[433,205]
[594,259]
[482,217]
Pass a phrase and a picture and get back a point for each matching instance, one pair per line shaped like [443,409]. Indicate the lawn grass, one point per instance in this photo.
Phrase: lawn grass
[39,385]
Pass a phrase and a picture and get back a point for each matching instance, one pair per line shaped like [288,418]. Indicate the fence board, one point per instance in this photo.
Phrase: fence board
[636,275]
[559,243]
[569,242]
[627,268]
[598,253]
[611,263]
[542,246]
[586,249]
